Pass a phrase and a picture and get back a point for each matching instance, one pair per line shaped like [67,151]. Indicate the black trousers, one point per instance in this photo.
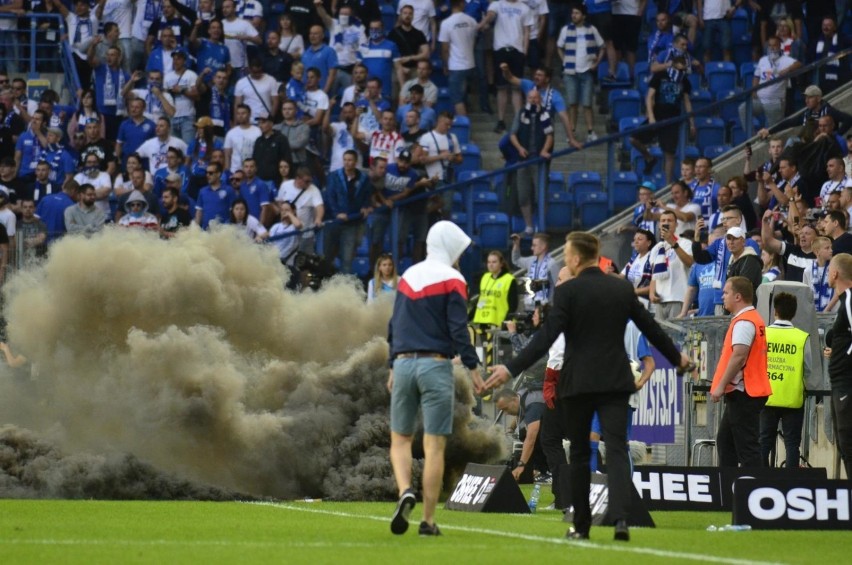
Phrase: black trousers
[791,427]
[551,434]
[841,409]
[612,409]
[738,437]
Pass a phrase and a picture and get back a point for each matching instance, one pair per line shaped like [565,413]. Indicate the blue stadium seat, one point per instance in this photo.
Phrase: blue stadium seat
[694,80]
[471,158]
[641,67]
[622,76]
[594,208]
[711,131]
[746,74]
[476,180]
[742,50]
[518,224]
[484,201]
[461,127]
[438,77]
[643,78]
[721,75]
[700,99]
[404,264]
[584,181]
[639,161]
[459,219]
[729,109]
[740,23]
[738,135]
[625,185]
[493,230]
[715,151]
[560,211]
[361,267]
[627,124]
[444,103]
[624,103]
[389,16]
[556,182]
[363,248]
[458,202]
[277,8]
[689,151]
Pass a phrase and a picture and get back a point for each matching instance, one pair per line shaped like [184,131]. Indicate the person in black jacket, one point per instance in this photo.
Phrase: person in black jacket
[592,311]
[838,348]
[745,262]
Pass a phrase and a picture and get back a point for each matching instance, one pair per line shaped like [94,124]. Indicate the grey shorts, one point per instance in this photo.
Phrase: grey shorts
[426,384]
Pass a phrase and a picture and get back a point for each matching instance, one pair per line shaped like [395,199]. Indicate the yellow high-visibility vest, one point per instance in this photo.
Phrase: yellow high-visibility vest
[493,304]
[785,366]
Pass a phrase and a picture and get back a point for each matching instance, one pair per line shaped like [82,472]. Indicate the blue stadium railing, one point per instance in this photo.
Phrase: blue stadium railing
[37,50]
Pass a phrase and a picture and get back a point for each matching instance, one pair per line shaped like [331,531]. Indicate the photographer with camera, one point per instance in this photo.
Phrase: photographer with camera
[528,402]
[542,270]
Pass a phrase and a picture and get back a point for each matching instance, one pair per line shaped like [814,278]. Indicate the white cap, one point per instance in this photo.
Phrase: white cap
[736,232]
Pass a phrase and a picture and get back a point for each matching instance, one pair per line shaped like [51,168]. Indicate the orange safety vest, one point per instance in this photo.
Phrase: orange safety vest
[754,372]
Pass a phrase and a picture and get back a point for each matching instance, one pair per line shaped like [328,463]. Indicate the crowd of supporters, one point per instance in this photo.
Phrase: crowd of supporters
[281,116]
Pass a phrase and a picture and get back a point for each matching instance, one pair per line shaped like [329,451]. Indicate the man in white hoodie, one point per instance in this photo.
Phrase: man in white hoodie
[137,215]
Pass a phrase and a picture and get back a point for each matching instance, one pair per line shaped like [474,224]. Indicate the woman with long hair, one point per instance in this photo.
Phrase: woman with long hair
[498,298]
[240,217]
[498,292]
[771,265]
[291,41]
[86,110]
[385,278]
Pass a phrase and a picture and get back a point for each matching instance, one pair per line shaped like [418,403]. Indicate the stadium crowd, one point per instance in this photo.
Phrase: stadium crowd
[222,111]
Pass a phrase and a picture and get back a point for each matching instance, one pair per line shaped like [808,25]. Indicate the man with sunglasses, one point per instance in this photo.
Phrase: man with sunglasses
[215,199]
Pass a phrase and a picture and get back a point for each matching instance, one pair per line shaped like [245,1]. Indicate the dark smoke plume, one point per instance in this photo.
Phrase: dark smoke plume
[163,367]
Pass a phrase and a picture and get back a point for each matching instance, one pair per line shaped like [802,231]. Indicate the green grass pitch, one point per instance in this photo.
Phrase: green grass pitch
[87,532]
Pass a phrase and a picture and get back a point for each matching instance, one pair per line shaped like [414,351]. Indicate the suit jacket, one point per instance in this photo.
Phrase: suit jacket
[592,311]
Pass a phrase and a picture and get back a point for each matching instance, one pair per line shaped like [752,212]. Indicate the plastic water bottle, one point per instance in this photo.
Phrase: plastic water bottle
[536,494]
[737,528]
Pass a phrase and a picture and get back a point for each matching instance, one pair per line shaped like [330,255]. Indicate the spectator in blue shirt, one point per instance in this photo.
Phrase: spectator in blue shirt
[109,82]
[134,131]
[211,52]
[256,193]
[30,144]
[322,57]
[428,117]
[174,165]
[661,40]
[349,193]
[62,164]
[380,55]
[51,210]
[215,200]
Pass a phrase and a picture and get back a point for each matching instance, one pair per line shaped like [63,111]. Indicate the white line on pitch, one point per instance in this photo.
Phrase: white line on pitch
[703,557]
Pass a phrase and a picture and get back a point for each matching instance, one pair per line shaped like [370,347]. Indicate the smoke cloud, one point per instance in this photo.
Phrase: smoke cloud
[182,369]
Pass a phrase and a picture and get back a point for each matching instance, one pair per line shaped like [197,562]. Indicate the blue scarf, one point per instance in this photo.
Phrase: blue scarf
[570,50]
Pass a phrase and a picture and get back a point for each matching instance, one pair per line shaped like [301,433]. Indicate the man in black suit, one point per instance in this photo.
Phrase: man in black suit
[592,311]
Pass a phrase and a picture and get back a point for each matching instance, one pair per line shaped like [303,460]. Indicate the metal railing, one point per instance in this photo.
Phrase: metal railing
[39,44]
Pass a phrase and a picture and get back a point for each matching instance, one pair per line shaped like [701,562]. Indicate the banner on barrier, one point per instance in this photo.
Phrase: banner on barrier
[704,488]
[487,488]
[784,504]
[678,488]
[660,404]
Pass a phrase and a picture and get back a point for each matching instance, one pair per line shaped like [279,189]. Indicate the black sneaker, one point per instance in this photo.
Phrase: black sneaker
[399,522]
[427,530]
[649,167]
[609,78]
[500,127]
